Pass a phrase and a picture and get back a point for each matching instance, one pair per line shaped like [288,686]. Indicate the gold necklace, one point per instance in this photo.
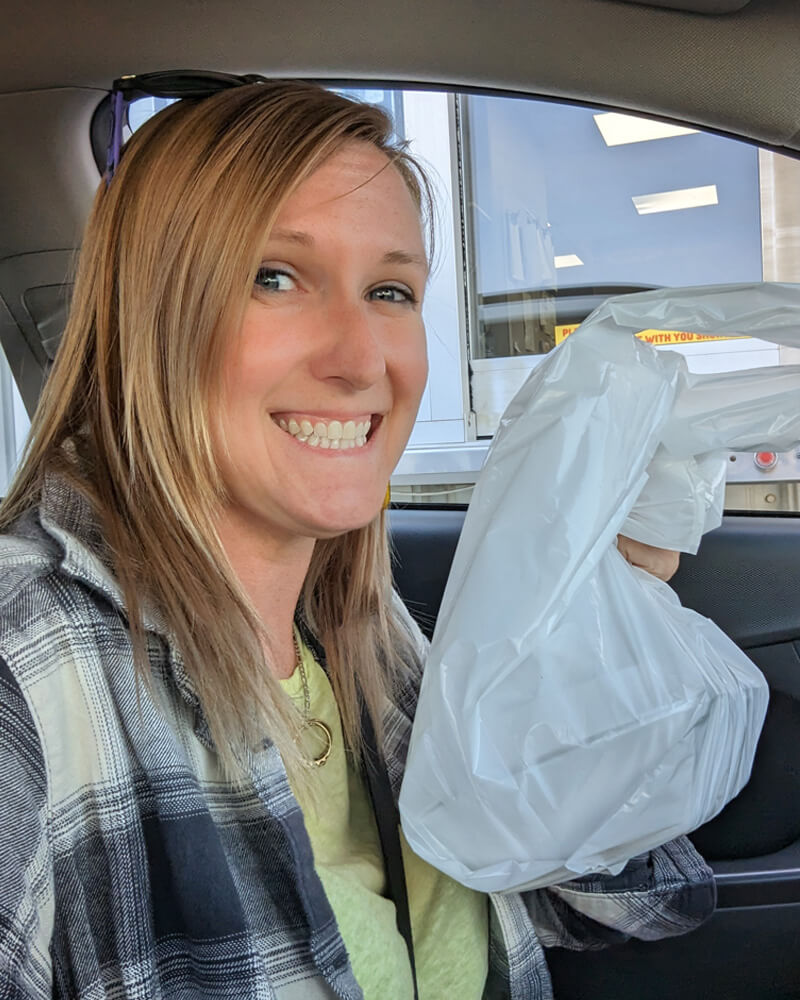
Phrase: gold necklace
[310,722]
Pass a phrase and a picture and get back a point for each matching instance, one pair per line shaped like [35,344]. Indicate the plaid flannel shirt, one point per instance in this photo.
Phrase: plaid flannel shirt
[130,869]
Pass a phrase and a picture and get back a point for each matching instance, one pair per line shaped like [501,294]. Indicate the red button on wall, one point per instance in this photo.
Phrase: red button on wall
[765,459]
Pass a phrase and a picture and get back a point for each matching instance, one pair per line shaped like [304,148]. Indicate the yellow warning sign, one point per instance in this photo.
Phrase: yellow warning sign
[562,332]
[657,337]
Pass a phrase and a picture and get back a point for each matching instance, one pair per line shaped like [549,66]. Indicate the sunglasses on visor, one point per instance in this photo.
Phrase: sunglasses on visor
[175,84]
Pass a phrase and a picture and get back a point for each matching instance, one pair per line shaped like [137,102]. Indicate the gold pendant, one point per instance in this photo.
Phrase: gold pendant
[321,758]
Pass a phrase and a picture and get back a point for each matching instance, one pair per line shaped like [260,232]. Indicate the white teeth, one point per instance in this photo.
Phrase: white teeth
[334,435]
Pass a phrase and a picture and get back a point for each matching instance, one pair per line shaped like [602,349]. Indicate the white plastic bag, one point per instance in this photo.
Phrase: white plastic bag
[572,713]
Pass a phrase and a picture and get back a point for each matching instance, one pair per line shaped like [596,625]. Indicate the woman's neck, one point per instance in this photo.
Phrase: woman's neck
[271,571]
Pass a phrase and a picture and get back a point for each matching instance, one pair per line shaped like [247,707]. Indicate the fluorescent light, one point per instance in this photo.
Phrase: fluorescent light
[617,129]
[672,201]
[568,260]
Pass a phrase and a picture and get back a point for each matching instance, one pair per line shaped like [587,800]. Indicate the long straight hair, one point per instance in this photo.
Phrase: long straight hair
[166,268]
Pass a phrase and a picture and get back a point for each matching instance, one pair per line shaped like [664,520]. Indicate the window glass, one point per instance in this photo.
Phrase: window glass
[566,197]
[390,100]
[14,425]
[139,111]
[569,205]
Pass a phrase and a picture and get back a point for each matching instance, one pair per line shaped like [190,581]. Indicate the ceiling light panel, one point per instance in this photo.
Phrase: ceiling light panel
[674,201]
[618,130]
[568,260]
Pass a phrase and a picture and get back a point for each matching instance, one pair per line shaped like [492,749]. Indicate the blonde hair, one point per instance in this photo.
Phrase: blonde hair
[166,267]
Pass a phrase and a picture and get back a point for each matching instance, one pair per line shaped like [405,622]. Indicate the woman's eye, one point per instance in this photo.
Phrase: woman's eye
[392,293]
[270,279]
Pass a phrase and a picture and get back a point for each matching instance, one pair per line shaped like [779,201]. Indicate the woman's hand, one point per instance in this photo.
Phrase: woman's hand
[662,563]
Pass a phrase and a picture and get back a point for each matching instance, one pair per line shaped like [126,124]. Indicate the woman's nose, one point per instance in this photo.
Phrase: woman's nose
[351,346]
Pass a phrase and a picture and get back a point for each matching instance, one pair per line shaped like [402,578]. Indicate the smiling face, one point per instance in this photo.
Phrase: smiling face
[322,384]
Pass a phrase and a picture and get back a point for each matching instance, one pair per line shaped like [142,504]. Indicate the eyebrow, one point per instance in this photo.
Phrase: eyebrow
[390,257]
[292,236]
[403,257]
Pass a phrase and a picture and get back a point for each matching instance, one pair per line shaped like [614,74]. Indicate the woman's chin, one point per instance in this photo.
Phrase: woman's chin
[330,523]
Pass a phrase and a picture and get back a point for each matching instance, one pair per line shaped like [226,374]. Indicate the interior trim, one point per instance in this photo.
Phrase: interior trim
[695,6]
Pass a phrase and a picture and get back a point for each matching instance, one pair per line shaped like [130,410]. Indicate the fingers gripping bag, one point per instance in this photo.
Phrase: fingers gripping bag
[572,713]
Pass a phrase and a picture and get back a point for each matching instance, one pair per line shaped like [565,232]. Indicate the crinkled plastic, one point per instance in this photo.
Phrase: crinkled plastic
[573,714]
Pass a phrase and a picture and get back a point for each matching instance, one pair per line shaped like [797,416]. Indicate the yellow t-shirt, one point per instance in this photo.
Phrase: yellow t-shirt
[449,923]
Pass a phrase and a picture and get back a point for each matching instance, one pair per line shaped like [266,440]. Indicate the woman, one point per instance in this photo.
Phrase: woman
[197,615]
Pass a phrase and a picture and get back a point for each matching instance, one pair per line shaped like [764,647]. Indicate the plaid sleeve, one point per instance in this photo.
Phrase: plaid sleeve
[667,892]
[25,863]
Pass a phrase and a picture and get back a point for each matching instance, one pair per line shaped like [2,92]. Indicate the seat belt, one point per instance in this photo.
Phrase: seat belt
[387,817]
[388,821]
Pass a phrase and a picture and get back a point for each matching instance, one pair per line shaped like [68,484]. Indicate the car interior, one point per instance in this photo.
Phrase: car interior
[726,68]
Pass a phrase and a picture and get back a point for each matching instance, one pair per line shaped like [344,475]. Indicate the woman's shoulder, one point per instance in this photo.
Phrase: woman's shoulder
[26,558]
[26,553]
[29,558]
[411,652]
[418,643]
[44,609]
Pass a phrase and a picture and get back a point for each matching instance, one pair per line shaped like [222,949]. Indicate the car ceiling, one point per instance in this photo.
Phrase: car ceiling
[736,71]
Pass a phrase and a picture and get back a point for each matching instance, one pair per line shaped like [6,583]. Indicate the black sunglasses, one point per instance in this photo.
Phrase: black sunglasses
[176,84]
